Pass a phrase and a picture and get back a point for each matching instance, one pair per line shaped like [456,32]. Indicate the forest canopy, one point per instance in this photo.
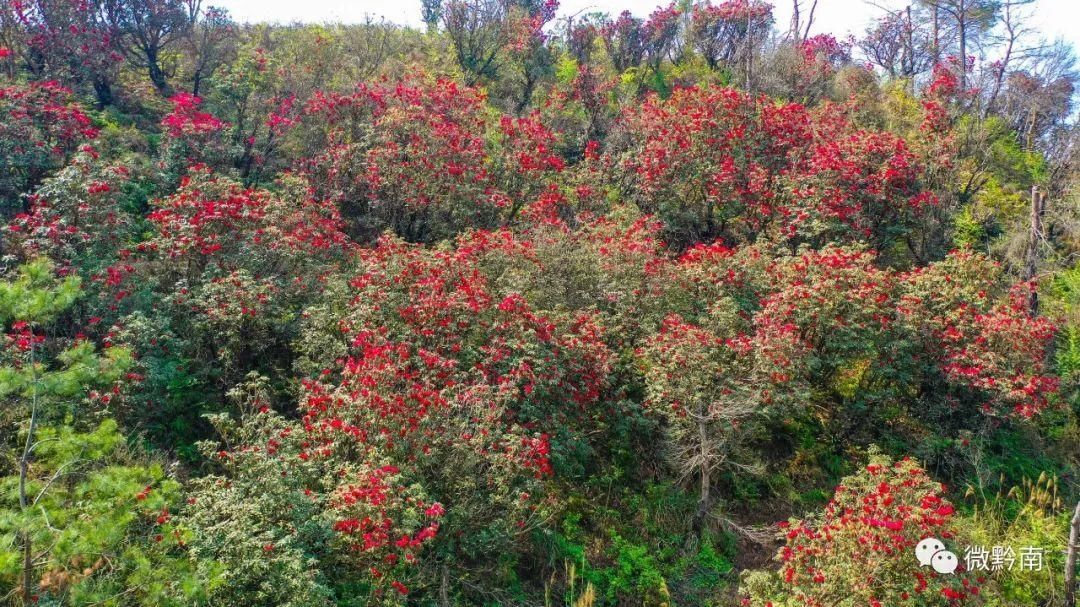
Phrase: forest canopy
[527,308]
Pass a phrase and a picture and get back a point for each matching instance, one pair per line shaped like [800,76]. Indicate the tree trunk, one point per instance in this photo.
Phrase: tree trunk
[908,61]
[444,586]
[1070,558]
[936,49]
[809,20]
[697,524]
[1031,261]
[24,473]
[157,75]
[795,21]
[1000,76]
[103,92]
[526,94]
[28,569]
[961,32]
[749,52]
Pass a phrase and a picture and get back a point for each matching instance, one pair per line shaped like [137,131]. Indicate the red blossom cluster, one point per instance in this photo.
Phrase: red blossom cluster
[975,345]
[42,127]
[211,218]
[982,335]
[186,120]
[365,508]
[22,337]
[863,545]
[743,9]
[76,214]
[379,519]
[826,48]
[716,162]
[437,161]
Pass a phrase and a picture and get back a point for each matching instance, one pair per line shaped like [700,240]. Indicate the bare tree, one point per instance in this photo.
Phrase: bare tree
[1013,30]
[725,35]
[898,44]
[972,20]
[144,29]
[1039,100]
[210,43]
[371,44]
[798,31]
[479,30]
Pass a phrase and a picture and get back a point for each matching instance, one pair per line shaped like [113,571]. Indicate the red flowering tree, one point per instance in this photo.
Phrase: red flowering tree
[69,41]
[215,291]
[710,385]
[715,162]
[77,216]
[41,128]
[279,524]
[706,160]
[660,34]
[723,33]
[470,392]
[953,331]
[436,161]
[215,223]
[858,185]
[864,339]
[192,136]
[861,548]
[979,333]
[623,41]
[838,305]
[581,36]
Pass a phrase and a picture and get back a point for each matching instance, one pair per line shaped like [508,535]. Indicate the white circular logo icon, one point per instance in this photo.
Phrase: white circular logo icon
[932,552]
[945,561]
[925,550]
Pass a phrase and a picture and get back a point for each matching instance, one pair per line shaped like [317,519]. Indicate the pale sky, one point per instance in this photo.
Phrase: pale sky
[1050,18]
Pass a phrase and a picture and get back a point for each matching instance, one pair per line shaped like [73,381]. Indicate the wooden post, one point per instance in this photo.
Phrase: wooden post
[1031,261]
[749,48]
[795,21]
[936,48]
[1070,559]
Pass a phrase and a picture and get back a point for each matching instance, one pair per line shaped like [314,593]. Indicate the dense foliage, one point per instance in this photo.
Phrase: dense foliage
[533,309]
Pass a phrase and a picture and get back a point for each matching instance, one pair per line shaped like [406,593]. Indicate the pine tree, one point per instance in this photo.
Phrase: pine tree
[65,500]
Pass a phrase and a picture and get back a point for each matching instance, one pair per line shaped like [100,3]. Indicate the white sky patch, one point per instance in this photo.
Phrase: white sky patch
[1050,19]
